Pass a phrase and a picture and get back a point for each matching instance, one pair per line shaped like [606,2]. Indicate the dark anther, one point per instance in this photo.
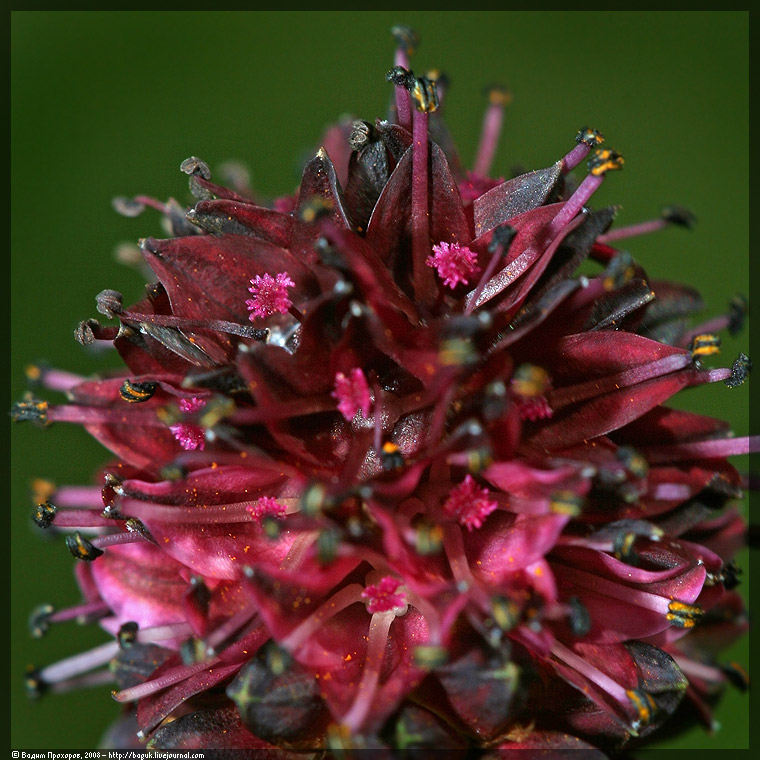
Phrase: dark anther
[632,461]
[134,393]
[329,255]
[81,548]
[127,635]
[173,472]
[127,206]
[737,313]
[44,514]
[739,372]
[33,682]
[623,548]
[194,165]
[680,216]
[457,352]
[731,573]
[494,400]
[440,79]
[31,409]
[314,498]
[619,271]
[644,704]
[683,615]
[84,334]
[579,619]
[39,620]
[327,546]
[425,95]
[736,675]
[529,381]
[316,208]
[591,137]
[391,457]
[505,613]
[109,302]
[704,344]
[605,160]
[498,95]
[200,593]
[362,133]
[133,525]
[406,38]
[429,657]
[428,538]
[502,236]
[566,503]
[401,77]
[461,326]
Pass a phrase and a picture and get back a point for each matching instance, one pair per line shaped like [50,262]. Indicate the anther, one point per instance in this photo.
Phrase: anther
[737,313]
[430,657]
[39,620]
[425,95]
[127,206]
[428,538]
[135,393]
[31,409]
[81,548]
[680,216]
[644,704]
[578,617]
[44,514]
[566,503]
[109,302]
[633,461]
[195,166]
[501,238]
[736,675]
[401,77]
[623,548]
[315,208]
[530,381]
[739,371]
[127,635]
[605,160]
[704,344]
[406,38]
[505,613]
[593,138]
[683,615]
[313,499]
[34,683]
[619,271]
[391,457]
[362,133]
[498,95]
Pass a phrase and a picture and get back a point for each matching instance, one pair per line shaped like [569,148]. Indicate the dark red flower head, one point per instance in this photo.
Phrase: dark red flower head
[388,472]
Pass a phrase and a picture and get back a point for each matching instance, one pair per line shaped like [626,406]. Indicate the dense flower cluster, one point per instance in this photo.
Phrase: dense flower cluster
[389,473]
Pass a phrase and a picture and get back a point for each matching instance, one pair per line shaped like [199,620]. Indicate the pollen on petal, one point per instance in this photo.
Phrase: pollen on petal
[385,595]
[190,437]
[266,506]
[454,263]
[469,504]
[270,295]
[352,393]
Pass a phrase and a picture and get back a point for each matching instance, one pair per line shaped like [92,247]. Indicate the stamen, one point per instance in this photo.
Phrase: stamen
[501,238]
[352,394]
[230,626]
[206,325]
[603,161]
[613,688]
[391,457]
[52,379]
[379,628]
[402,78]
[135,393]
[469,504]
[498,97]
[453,262]
[189,437]
[586,140]
[44,514]
[704,344]
[180,673]
[79,663]
[81,548]
[270,295]
[30,410]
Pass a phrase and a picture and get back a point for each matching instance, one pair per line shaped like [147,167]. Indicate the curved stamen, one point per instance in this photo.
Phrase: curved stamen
[587,139]
[498,97]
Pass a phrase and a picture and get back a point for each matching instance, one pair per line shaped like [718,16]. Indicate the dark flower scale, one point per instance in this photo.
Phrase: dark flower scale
[388,473]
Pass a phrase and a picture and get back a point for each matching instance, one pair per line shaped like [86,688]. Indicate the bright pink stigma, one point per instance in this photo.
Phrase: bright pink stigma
[188,436]
[455,263]
[190,405]
[469,504]
[384,595]
[270,295]
[533,408]
[266,506]
[352,394]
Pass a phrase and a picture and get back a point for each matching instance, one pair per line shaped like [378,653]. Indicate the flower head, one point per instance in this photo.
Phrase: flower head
[515,544]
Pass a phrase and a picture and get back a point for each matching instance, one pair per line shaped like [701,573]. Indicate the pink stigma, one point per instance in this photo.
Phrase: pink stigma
[469,504]
[270,295]
[533,408]
[384,595]
[352,394]
[455,263]
[266,506]
[190,405]
[190,437]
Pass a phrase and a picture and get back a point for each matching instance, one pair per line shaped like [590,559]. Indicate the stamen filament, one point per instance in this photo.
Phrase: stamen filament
[633,230]
[420,214]
[200,515]
[175,675]
[493,120]
[337,603]
[79,497]
[117,539]
[378,636]
[208,325]
[613,688]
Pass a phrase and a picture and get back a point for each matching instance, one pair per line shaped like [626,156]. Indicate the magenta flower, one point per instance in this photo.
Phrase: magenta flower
[405,508]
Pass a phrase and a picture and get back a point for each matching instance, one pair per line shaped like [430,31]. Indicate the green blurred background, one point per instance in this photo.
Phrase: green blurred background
[110,103]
